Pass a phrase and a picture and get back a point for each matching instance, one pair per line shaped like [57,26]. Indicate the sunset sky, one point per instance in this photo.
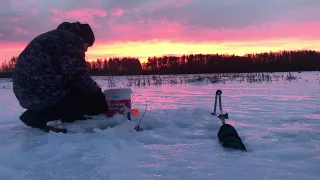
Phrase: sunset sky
[142,28]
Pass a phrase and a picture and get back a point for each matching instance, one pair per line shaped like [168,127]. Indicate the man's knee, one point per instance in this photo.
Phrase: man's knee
[30,118]
[37,119]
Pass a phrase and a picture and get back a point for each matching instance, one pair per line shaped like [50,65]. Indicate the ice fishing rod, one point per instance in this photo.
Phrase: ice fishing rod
[227,134]
[128,114]
[221,116]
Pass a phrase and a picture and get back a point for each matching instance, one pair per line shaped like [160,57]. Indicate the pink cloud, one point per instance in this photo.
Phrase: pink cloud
[12,46]
[8,50]
[186,21]
[15,19]
[170,20]
[165,30]
[19,30]
[117,12]
[83,15]
[308,31]
[34,11]
[176,31]
[180,3]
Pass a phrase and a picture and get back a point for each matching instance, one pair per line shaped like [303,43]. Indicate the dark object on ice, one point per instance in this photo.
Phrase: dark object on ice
[227,134]
[229,137]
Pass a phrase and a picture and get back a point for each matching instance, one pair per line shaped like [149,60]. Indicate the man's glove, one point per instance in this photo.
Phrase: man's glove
[97,104]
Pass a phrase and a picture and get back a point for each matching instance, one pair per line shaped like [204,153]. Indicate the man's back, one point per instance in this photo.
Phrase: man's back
[38,81]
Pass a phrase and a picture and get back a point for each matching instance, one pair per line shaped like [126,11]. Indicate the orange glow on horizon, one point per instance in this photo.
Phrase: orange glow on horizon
[145,49]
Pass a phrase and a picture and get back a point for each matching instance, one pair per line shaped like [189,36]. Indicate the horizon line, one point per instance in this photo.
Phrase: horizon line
[187,54]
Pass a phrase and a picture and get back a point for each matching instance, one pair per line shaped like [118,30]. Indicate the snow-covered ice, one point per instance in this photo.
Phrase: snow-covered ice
[279,122]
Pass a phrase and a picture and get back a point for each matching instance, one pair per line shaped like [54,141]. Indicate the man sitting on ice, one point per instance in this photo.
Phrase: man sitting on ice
[51,79]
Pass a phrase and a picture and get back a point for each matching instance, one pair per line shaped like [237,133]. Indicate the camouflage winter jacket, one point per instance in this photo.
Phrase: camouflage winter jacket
[49,67]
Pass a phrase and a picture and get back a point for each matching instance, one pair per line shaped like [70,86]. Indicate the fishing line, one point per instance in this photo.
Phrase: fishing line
[137,127]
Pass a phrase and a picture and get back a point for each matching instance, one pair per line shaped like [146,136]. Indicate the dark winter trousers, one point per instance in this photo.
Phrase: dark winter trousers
[71,108]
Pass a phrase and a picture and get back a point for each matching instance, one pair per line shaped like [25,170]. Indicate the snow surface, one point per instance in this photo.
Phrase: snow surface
[279,122]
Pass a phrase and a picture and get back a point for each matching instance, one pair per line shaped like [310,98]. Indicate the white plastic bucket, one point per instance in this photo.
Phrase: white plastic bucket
[118,100]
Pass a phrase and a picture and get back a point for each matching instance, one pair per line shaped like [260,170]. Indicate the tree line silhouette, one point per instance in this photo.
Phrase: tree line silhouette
[282,61]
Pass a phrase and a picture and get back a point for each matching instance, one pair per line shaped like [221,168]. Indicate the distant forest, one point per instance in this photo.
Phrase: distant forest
[282,61]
